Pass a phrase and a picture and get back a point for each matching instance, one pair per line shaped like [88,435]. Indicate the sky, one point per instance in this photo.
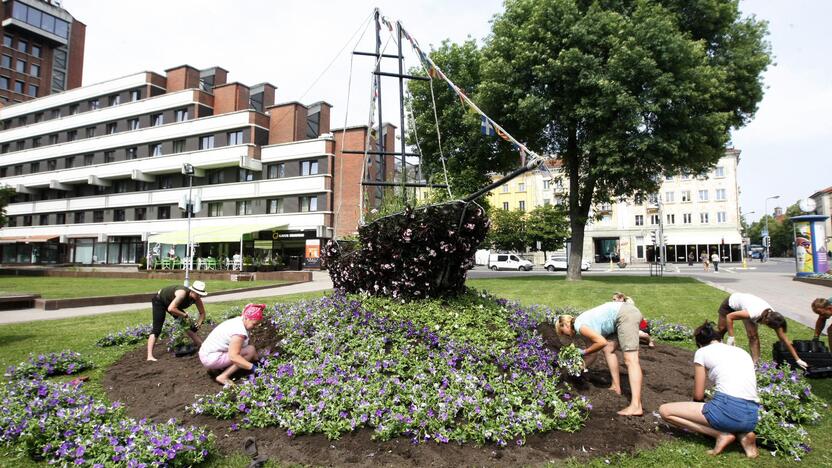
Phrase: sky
[304,48]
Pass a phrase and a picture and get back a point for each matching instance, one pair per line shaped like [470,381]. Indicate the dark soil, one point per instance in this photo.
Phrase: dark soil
[161,390]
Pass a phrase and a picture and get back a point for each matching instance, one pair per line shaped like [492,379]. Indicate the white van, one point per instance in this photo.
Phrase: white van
[508,262]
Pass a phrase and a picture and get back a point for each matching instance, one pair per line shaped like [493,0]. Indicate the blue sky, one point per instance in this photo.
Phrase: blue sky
[291,43]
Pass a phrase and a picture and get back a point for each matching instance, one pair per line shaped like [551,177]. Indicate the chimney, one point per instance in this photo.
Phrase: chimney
[182,77]
[262,96]
[318,119]
[230,97]
[212,77]
[287,122]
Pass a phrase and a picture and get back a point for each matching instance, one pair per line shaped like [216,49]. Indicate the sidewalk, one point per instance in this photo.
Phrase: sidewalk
[320,282]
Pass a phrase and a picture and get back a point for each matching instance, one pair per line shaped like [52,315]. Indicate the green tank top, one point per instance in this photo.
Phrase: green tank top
[168,294]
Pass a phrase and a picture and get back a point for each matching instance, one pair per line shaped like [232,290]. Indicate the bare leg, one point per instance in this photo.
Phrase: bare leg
[635,377]
[646,337]
[722,326]
[753,339]
[151,342]
[612,364]
[195,338]
[749,444]
[688,415]
[829,336]
[225,377]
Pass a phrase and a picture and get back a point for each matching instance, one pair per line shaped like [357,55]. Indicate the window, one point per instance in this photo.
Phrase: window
[654,219]
[276,171]
[98,216]
[216,176]
[33,90]
[606,219]
[703,218]
[685,196]
[88,159]
[140,214]
[668,178]
[119,215]
[39,117]
[18,87]
[60,218]
[308,167]
[163,212]
[79,217]
[120,186]
[73,109]
[35,51]
[721,217]
[521,205]
[53,139]
[34,167]
[206,142]
[275,206]
[51,165]
[133,124]
[215,209]
[157,119]
[505,188]
[156,149]
[181,115]
[109,156]
[235,138]
[18,170]
[546,184]
[685,176]
[244,207]
[703,195]
[20,145]
[69,161]
[308,203]
[505,204]
[686,218]
[178,146]
[12,220]
[639,220]
[669,197]
[131,153]
[671,219]
[6,61]
[20,66]
[5,148]
[135,95]
[115,99]
[34,70]
[94,104]
[22,45]
[720,194]
[245,175]
[3,171]
[112,127]
[90,132]
[521,187]
[27,220]
[165,182]
[7,40]
[44,220]
[71,135]
[719,171]
[4,82]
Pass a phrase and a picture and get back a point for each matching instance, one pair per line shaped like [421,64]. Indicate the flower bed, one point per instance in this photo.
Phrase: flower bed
[45,365]
[417,370]
[666,331]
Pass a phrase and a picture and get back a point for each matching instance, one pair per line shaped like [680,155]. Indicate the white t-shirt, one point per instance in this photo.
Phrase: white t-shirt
[220,337]
[730,368]
[714,258]
[753,304]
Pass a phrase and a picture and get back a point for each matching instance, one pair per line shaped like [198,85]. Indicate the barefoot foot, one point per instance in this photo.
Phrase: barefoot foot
[151,358]
[724,440]
[224,381]
[631,411]
[749,445]
[617,390]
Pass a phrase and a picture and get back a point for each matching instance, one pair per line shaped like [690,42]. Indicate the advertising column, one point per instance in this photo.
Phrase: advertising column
[809,247]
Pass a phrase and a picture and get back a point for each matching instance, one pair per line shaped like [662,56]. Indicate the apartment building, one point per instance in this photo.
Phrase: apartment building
[42,50]
[698,214]
[100,171]
[823,207]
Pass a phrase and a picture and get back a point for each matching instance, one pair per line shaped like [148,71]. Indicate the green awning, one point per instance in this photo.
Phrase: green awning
[213,233]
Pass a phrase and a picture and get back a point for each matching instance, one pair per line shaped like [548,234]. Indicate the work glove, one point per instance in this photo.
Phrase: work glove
[730,341]
[253,367]
[582,351]
[802,364]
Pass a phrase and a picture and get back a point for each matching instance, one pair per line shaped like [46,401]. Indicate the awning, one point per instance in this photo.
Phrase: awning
[213,233]
[27,239]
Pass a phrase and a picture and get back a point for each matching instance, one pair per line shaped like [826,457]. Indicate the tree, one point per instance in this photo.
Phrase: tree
[508,230]
[623,91]
[6,194]
[781,232]
[549,225]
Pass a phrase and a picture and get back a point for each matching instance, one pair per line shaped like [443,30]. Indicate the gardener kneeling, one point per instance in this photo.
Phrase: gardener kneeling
[174,300]
[227,348]
[733,411]
[596,325]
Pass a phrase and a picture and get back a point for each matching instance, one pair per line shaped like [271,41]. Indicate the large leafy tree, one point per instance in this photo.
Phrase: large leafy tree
[780,229]
[549,226]
[508,230]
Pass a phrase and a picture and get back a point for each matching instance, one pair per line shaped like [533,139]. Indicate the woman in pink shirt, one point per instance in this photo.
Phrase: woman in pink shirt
[227,348]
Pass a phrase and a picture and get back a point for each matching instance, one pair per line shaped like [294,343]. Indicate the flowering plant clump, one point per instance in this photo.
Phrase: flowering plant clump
[665,331]
[179,332]
[64,363]
[344,365]
[130,335]
[418,253]
[62,424]
[787,401]
[571,361]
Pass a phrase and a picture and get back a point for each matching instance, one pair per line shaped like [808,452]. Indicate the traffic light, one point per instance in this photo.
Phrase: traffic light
[653,237]
[766,241]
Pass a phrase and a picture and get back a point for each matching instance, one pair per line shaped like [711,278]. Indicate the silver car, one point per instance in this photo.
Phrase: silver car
[559,263]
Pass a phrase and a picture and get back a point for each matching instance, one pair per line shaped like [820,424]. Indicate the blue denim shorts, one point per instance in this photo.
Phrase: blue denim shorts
[731,414]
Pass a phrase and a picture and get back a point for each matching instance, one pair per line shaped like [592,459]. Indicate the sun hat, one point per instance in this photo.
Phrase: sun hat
[253,311]
[198,287]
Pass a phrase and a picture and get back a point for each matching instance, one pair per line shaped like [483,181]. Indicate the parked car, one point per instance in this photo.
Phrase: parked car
[508,262]
[559,262]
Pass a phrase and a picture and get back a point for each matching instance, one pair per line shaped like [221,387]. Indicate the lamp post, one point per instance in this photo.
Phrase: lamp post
[768,243]
[742,244]
[188,170]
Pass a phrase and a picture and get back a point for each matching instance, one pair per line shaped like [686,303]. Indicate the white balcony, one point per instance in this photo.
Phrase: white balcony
[75,95]
[206,159]
[106,114]
[171,131]
[209,193]
[294,150]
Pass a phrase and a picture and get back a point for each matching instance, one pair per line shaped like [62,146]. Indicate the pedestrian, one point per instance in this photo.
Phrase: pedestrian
[174,300]
[171,252]
[643,326]
[753,310]
[691,258]
[598,326]
[715,261]
[823,307]
[705,262]
[733,412]
[227,347]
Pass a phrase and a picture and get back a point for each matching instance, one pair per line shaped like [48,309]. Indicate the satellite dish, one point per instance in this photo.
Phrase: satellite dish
[807,204]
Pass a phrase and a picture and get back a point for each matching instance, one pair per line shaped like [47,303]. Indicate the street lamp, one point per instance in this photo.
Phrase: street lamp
[188,170]
[742,243]
[766,215]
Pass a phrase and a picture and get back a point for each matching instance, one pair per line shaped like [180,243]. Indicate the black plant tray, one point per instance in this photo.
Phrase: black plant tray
[185,350]
[815,353]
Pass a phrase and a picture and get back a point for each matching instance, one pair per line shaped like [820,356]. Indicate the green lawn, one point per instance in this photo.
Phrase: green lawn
[679,300]
[51,287]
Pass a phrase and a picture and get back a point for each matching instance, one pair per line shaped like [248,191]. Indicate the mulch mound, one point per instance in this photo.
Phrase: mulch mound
[161,390]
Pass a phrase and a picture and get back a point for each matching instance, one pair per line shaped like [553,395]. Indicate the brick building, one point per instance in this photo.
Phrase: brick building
[98,171]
